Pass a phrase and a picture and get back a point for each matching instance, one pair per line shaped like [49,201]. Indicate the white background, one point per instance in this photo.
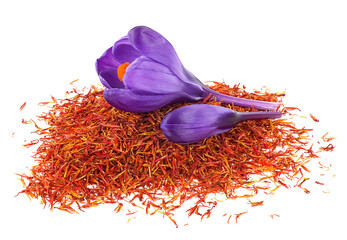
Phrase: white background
[293,46]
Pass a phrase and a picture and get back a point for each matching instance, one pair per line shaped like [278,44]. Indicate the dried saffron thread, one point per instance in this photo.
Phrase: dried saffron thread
[91,153]
[274,215]
[23,106]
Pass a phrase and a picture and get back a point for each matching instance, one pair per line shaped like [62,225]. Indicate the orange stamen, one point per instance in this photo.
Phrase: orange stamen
[121,70]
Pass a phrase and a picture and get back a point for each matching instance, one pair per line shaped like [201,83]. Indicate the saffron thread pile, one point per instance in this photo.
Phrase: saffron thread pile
[89,153]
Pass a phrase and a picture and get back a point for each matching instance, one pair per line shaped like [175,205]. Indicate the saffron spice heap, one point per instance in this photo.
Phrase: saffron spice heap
[90,153]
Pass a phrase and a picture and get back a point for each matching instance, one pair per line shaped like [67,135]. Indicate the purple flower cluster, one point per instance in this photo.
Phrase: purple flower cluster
[142,72]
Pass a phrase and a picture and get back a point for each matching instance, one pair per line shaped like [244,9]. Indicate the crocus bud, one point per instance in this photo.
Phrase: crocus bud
[142,72]
[193,123]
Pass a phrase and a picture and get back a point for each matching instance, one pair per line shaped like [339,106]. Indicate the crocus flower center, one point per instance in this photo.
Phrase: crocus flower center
[121,70]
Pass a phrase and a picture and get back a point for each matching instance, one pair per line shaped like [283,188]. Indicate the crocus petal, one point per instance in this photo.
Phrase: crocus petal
[109,78]
[146,76]
[153,45]
[129,101]
[148,64]
[123,51]
[106,61]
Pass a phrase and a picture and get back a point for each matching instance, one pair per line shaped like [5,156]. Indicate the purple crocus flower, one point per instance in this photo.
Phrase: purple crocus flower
[142,73]
[193,123]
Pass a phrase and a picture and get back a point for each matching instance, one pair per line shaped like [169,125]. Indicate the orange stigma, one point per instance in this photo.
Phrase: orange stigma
[121,70]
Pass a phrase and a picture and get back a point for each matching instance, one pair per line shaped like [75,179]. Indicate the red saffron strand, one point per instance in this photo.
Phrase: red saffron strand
[274,215]
[238,215]
[23,105]
[314,118]
[254,204]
